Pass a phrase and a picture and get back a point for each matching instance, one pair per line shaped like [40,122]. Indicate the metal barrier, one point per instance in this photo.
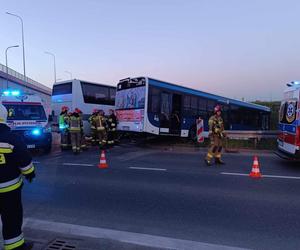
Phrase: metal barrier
[245,135]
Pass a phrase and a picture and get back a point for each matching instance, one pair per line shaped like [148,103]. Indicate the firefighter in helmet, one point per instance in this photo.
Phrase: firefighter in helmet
[76,127]
[100,124]
[111,128]
[92,122]
[216,135]
[15,162]
[82,139]
[64,127]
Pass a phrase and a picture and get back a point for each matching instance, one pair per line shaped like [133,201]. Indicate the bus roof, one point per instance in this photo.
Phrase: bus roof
[219,99]
[67,81]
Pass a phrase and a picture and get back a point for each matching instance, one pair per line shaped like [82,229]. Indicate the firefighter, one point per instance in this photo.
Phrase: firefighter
[76,127]
[15,162]
[63,127]
[111,128]
[216,135]
[82,139]
[100,124]
[92,122]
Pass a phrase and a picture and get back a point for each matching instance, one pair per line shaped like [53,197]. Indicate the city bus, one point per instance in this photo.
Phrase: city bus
[157,107]
[289,123]
[83,95]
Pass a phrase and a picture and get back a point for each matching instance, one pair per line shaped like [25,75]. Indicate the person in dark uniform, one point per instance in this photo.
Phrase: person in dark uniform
[111,128]
[15,162]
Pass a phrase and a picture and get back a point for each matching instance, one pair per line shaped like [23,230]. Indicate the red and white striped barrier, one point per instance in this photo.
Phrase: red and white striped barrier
[200,129]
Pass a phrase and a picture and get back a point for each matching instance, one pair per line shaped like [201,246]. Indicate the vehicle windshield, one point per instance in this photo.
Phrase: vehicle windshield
[131,94]
[25,112]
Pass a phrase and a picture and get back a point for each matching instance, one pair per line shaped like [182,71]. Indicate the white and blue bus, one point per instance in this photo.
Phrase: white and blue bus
[152,106]
[83,95]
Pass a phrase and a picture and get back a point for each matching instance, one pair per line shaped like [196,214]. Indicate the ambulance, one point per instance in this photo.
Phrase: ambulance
[289,123]
[27,118]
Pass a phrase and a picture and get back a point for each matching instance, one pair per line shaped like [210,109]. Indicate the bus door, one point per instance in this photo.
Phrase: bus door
[176,115]
[165,112]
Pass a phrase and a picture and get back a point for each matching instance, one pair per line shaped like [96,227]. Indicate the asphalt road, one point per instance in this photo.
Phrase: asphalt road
[171,193]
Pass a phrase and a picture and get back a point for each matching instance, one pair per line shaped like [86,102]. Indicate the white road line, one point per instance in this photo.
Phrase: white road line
[265,175]
[154,169]
[122,236]
[78,164]
[35,162]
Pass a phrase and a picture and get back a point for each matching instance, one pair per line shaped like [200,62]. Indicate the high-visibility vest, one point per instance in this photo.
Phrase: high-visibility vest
[99,122]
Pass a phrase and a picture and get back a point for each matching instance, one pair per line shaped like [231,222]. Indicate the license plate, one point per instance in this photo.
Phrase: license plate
[31,146]
[125,128]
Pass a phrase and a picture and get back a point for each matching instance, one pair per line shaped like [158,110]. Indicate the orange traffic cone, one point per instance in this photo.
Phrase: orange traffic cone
[255,172]
[102,163]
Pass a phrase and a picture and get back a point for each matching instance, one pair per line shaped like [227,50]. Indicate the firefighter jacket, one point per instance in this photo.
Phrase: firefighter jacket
[92,121]
[75,124]
[64,121]
[15,160]
[112,122]
[100,122]
[216,126]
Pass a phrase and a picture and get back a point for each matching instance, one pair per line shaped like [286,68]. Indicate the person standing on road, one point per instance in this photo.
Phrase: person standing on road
[63,127]
[92,121]
[15,161]
[111,128]
[100,124]
[75,131]
[82,139]
[216,135]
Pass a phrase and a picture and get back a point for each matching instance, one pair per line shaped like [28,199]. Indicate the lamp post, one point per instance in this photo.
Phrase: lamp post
[6,64]
[20,18]
[68,72]
[54,64]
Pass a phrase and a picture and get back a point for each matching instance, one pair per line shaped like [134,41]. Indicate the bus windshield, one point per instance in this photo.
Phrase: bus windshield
[25,112]
[131,94]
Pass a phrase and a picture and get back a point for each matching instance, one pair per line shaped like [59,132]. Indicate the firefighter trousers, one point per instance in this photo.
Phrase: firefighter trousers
[11,211]
[102,137]
[215,148]
[111,137]
[76,141]
[64,139]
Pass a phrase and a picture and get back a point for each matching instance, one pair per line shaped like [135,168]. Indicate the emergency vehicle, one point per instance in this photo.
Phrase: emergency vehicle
[27,118]
[289,123]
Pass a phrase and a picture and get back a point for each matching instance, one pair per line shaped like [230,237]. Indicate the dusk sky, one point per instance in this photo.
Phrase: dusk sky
[235,48]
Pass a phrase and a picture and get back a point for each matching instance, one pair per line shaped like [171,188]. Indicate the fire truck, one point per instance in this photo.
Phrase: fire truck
[27,118]
[289,123]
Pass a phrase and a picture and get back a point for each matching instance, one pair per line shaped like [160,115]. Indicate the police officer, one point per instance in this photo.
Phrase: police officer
[76,127]
[63,127]
[15,161]
[111,127]
[92,122]
[216,135]
[100,124]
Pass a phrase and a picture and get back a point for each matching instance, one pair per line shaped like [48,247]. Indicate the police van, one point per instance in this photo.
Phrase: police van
[289,123]
[27,118]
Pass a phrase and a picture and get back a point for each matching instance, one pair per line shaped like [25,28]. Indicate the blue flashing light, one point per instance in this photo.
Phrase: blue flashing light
[36,132]
[15,93]
[6,93]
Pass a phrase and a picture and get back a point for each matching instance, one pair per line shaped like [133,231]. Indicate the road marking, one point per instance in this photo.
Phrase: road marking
[35,162]
[265,175]
[122,236]
[154,169]
[78,164]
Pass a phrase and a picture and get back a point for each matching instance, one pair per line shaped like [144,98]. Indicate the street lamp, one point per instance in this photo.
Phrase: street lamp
[22,41]
[68,72]
[54,63]
[15,46]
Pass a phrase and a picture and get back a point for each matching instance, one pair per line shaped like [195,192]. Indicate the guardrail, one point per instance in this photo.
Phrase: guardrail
[21,77]
[245,135]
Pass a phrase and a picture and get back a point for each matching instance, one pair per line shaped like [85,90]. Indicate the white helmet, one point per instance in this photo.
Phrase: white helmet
[3,114]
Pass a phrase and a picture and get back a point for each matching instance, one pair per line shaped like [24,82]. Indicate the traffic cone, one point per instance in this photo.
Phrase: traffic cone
[255,172]
[102,163]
